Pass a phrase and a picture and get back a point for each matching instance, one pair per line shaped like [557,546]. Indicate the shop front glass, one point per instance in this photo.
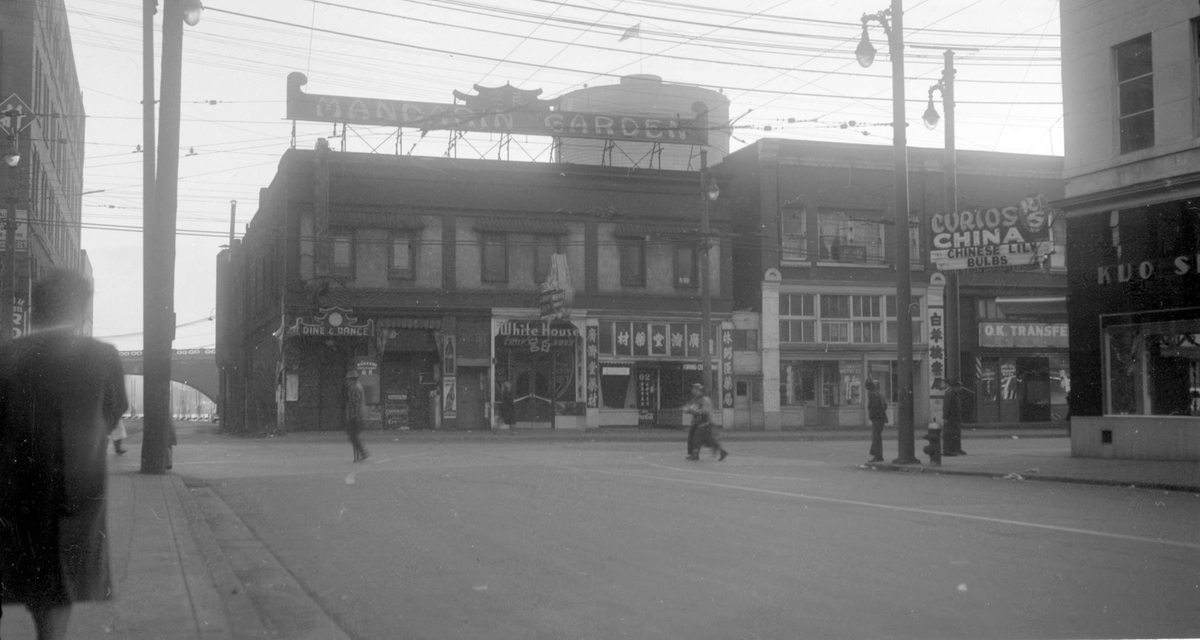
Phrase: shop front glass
[1020,388]
[1152,368]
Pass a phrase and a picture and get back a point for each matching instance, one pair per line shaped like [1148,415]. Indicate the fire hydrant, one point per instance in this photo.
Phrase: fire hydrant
[934,448]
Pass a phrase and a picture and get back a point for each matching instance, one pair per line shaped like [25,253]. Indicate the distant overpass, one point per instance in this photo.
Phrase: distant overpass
[196,368]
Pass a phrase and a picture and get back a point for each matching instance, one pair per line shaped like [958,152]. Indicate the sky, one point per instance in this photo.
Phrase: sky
[787,67]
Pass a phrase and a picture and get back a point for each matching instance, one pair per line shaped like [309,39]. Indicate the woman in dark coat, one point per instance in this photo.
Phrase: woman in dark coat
[60,396]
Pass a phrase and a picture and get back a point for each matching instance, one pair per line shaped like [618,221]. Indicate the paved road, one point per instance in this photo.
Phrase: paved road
[500,539]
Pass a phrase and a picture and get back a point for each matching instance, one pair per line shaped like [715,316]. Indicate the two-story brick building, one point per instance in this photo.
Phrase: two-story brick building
[813,251]
[425,274]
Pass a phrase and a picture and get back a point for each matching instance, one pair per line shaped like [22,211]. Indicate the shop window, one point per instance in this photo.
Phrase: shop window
[841,382]
[401,256]
[544,248]
[1135,89]
[798,382]
[616,387]
[1058,241]
[606,337]
[686,274]
[1153,368]
[494,256]
[633,263]
[793,235]
[886,375]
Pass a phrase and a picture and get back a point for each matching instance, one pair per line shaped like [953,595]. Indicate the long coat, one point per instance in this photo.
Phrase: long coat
[60,396]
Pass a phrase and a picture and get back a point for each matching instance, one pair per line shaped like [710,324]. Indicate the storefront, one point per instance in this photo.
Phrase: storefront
[645,371]
[1021,372]
[1135,332]
[541,361]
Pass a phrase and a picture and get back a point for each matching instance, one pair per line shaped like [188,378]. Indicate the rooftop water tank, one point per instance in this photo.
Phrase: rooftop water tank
[647,95]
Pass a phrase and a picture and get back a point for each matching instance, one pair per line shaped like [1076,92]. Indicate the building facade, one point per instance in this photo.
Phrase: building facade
[813,249]
[37,76]
[437,279]
[1132,202]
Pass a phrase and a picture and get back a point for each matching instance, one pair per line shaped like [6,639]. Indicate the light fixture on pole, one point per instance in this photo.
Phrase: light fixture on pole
[904,337]
[158,250]
[12,157]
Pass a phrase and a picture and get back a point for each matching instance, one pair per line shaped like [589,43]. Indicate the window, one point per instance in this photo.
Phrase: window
[401,256]
[1058,239]
[833,307]
[850,238]
[494,259]
[798,318]
[685,265]
[1152,368]
[544,248]
[341,259]
[793,234]
[868,319]
[633,263]
[893,327]
[1135,94]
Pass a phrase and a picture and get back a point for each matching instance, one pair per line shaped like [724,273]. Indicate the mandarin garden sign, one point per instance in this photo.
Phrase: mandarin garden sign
[505,110]
[994,239]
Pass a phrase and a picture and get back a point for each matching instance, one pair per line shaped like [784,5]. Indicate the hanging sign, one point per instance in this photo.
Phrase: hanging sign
[332,322]
[593,367]
[496,110]
[993,239]
[726,369]
[557,293]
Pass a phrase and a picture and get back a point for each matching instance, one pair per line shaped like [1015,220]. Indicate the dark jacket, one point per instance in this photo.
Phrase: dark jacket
[60,396]
[952,405]
[876,407]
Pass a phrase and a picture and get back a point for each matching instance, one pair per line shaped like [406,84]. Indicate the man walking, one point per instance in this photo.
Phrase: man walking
[61,394]
[952,410]
[877,414]
[701,433]
[356,411]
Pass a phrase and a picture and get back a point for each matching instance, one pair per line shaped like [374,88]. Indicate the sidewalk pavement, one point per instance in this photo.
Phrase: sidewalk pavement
[172,580]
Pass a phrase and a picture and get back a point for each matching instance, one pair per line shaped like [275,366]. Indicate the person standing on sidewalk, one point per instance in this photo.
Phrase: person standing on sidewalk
[508,408]
[877,414]
[356,412]
[952,410]
[700,435]
[61,394]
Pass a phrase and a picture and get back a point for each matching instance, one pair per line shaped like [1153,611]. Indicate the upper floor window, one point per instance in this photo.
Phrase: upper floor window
[401,256]
[494,257]
[341,254]
[685,265]
[544,248]
[847,237]
[793,234]
[1135,89]
[798,318]
[633,262]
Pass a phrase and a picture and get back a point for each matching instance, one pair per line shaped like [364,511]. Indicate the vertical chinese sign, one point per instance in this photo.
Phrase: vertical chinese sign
[593,367]
[937,344]
[726,369]
[449,381]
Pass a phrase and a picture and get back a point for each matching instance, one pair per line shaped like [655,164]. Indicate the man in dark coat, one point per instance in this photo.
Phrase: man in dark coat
[356,412]
[701,432]
[877,414]
[508,406]
[60,395]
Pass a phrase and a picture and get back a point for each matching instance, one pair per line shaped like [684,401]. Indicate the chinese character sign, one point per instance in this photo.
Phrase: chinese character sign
[593,367]
[726,369]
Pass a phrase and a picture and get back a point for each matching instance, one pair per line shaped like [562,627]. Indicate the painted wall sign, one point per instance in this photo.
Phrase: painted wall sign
[993,239]
[497,110]
[1023,334]
[332,322]
[726,369]
[22,233]
[936,337]
[449,397]
[1161,268]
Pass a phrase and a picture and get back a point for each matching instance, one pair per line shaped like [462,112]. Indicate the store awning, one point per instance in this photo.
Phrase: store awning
[521,225]
[637,230]
[1050,306]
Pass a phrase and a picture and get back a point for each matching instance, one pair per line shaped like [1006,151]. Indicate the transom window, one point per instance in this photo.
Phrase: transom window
[852,319]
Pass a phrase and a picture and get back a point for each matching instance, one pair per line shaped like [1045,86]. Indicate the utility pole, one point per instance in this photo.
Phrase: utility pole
[705,291]
[953,315]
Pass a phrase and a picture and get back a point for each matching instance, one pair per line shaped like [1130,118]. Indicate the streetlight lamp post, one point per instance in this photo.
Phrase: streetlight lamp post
[709,193]
[865,53]
[950,205]
[158,235]
[12,158]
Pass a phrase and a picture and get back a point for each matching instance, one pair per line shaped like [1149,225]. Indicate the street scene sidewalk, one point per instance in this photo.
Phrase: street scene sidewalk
[171,580]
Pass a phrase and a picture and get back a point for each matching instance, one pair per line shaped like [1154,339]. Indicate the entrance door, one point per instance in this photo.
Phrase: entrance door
[1035,401]
[534,392]
[741,404]
[472,382]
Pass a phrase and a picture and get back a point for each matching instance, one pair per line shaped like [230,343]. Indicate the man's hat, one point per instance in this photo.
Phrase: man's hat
[697,384]
[353,373]
[952,382]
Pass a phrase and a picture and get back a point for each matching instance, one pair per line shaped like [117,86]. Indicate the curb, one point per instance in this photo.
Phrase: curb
[1158,486]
